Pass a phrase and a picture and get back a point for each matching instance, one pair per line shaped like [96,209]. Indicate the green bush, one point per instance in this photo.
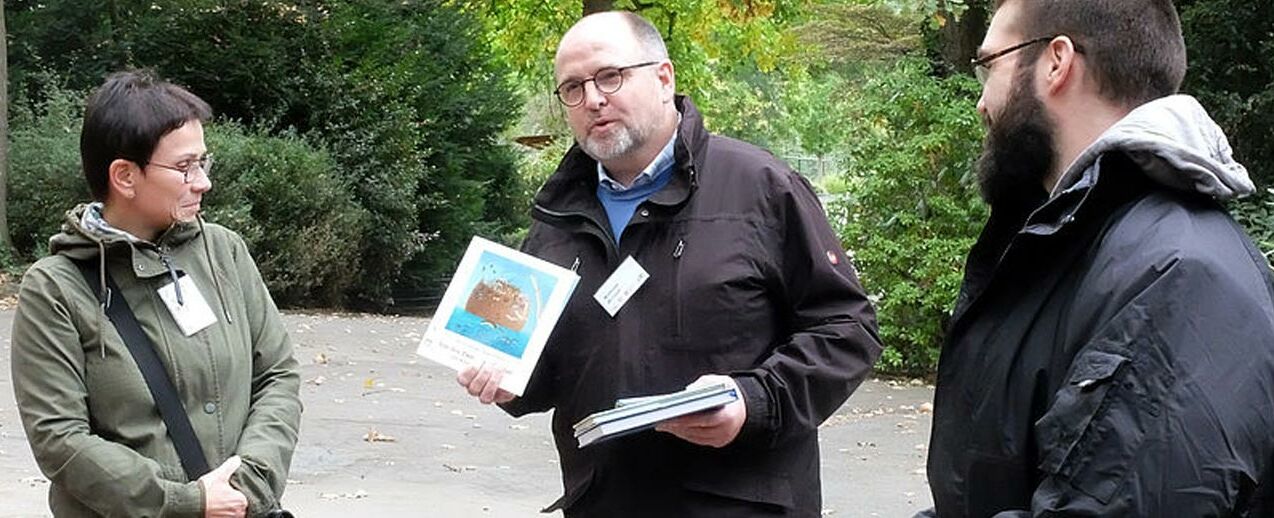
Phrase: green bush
[1257,215]
[1231,50]
[429,64]
[401,93]
[44,179]
[910,210]
[293,208]
[280,193]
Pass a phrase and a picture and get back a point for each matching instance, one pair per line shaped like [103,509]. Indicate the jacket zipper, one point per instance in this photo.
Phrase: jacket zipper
[676,288]
[591,228]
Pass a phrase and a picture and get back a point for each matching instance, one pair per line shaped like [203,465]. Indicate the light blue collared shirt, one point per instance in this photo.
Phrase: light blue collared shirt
[663,160]
[621,202]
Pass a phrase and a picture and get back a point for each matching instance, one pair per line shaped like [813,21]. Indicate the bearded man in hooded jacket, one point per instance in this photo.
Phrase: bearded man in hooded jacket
[1112,348]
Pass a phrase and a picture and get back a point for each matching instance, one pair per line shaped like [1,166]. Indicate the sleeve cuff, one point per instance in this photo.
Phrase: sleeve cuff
[516,408]
[185,499]
[759,424]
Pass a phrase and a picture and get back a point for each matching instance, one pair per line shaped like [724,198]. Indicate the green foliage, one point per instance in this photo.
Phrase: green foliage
[1231,50]
[911,211]
[402,93]
[724,51]
[296,213]
[431,67]
[1257,215]
[284,196]
[848,33]
[44,178]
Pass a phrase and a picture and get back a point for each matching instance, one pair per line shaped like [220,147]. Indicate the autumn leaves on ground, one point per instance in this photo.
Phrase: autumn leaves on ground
[386,433]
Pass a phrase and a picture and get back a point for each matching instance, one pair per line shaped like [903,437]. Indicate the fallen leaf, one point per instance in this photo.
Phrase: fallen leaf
[375,436]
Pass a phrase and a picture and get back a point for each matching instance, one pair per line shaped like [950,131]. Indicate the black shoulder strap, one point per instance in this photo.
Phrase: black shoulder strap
[157,380]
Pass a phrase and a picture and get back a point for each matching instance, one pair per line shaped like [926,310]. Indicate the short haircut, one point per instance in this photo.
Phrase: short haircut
[648,37]
[1134,47]
[126,117]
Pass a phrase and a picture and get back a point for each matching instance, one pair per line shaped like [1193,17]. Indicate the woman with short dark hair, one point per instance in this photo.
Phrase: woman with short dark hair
[112,438]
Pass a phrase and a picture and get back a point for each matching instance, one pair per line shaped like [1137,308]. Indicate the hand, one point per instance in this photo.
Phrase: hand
[715,428]
[484,383]
[220,500]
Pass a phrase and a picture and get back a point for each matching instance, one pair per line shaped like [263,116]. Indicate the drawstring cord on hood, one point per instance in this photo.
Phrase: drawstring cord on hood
[104,292]
[216,281]
[172,273]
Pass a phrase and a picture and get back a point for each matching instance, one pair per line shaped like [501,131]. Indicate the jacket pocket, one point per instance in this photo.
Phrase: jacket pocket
[1111,401]
[713,297]
[767,490]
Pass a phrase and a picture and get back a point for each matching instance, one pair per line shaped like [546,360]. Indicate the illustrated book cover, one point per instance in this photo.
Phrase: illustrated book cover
[498,310]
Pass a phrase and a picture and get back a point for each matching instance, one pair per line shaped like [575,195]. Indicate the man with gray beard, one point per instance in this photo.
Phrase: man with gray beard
[748,285]
[1112,348]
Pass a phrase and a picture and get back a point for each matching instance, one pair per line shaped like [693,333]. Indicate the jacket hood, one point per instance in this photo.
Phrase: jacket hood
[81,239]
[85,236]
[1176,143]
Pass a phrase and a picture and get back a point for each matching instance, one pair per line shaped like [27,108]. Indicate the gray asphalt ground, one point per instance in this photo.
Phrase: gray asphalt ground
[386,433]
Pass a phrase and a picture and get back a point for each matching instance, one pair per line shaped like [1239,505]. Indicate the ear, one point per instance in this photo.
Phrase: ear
[1063,65]
[667,81]
[122,178]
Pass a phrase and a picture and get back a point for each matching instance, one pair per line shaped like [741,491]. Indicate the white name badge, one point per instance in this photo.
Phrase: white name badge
[193,313]
[621,286]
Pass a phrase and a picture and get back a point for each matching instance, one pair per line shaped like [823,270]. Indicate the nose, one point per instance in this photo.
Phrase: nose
[202,183]
[593,98]
[982,104]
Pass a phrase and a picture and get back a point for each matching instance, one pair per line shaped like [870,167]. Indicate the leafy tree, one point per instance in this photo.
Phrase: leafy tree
[848,34]
[402,93]
[5,249]
[1231,48]
[723,51]
[910,210]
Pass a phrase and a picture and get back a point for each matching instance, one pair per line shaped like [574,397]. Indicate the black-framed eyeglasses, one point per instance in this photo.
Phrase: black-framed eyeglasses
[188,168]
[982,65]
[608,80]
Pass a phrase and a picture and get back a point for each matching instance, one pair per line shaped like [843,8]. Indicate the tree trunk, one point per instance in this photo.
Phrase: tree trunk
[958,39]
[4,135]
[597,6]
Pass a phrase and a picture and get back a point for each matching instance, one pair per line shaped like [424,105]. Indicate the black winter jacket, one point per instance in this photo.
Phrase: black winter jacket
[746,279]
[1112,354]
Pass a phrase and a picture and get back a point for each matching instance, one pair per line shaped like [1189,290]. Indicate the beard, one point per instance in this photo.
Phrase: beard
[622,140]
[1018,153]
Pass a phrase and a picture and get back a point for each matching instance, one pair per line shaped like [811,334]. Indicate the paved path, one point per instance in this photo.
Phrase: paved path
[440,454]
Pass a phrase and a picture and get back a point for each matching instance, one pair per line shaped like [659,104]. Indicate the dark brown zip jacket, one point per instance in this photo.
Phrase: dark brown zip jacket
[746,279]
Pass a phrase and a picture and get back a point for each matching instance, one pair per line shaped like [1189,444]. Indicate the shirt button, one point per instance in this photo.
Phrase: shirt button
[645,213]
[209,407]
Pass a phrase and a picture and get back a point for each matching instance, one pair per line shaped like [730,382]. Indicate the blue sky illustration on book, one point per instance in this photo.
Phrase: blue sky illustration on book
[501,304]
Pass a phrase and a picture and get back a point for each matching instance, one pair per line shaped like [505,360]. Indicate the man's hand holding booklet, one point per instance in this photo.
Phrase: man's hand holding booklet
[708,412]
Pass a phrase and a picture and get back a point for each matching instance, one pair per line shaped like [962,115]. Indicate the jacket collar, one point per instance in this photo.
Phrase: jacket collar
[573,186]
[80,243]
[1050,226]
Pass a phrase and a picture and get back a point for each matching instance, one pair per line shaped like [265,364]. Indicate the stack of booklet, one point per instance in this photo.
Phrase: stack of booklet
[641,413]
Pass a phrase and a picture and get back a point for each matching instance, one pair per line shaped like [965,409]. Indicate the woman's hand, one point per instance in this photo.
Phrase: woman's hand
[220,500]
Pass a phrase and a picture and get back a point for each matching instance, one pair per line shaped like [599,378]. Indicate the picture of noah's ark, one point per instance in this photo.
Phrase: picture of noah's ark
[499,302]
